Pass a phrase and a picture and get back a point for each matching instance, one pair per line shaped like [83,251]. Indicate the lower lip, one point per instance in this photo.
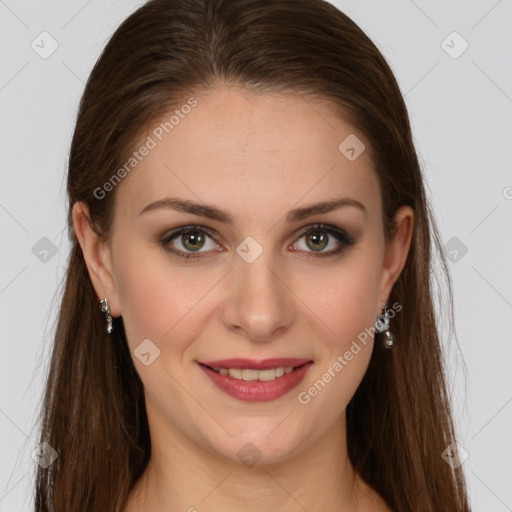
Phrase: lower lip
[257,390]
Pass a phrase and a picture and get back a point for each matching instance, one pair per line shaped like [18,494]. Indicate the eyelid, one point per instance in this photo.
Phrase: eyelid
[342,238]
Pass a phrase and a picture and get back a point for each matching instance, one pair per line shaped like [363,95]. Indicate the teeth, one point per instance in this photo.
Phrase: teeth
[249,374]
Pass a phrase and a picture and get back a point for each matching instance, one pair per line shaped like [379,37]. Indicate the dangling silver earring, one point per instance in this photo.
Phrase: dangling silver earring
[108,317]
[382,325]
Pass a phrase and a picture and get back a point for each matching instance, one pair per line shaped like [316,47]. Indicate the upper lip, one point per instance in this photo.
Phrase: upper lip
[253,364]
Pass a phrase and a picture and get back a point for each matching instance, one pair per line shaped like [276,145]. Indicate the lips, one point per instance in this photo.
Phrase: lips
[256,390]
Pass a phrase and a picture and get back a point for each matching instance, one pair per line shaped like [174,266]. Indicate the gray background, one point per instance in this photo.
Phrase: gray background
[460,106]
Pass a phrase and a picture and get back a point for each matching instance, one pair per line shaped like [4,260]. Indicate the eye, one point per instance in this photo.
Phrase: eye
[193,238]
[321,236]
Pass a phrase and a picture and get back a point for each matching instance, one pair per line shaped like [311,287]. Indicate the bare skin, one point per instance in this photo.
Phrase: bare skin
[256,157]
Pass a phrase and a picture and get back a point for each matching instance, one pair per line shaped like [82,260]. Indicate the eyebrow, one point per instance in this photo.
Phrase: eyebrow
[213,213]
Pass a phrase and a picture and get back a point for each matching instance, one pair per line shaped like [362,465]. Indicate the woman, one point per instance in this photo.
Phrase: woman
[248,320]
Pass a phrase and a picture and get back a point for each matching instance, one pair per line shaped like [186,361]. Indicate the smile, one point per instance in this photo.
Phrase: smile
[256,384]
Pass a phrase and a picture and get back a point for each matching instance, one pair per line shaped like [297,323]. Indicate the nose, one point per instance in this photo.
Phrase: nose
[259,304]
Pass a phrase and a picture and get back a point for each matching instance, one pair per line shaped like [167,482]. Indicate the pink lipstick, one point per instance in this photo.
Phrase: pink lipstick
[256,381]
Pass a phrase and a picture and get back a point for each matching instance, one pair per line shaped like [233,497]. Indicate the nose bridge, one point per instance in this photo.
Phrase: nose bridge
[259,301]
[257,278]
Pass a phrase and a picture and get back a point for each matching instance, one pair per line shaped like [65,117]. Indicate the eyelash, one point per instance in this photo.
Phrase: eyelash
[338,234]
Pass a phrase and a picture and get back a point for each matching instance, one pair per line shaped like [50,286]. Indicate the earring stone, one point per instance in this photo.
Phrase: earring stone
[382,326]
[105,309]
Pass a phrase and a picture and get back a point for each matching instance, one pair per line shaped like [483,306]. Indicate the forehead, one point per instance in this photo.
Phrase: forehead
[251,151]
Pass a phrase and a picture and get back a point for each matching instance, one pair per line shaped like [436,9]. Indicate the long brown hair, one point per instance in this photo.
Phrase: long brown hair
[399,420]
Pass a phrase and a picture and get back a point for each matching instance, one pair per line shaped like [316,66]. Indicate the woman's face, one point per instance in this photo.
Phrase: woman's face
[264,285]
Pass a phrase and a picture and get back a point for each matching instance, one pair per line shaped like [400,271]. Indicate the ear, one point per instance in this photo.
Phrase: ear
[97,256]
[396,251]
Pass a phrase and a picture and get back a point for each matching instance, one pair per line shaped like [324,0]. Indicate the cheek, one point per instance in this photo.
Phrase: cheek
[149,302]
[345,300]
[160,300]
[345,303]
